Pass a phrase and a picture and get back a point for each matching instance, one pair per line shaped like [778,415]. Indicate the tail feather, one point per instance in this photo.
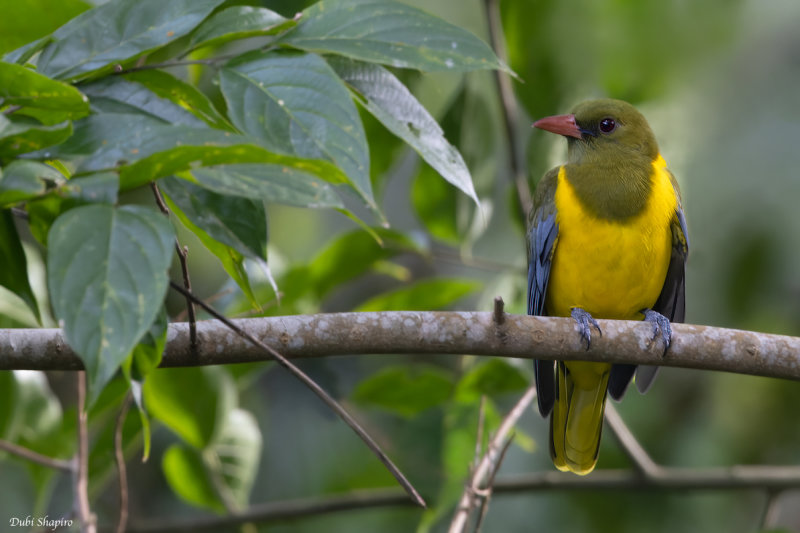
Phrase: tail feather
[577,419]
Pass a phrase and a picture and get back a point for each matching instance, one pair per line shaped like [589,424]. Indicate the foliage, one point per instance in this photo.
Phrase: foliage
[354,157]
[113,101]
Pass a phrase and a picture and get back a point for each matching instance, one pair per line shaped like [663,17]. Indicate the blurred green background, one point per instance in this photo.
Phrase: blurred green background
[719,82]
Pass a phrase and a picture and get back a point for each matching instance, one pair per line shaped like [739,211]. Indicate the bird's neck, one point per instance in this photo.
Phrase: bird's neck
[613,190]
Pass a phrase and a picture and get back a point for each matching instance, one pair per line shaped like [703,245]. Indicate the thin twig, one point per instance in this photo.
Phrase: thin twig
[311,384]
[182,252]
[11,109]
[118,69]
[478,479]
[30,455]
[670,478]
[741,477]
[122,472]
[510,108]
[479,437]
[280,510]
[769,518]
[486,493]
[82,509]
[636,453]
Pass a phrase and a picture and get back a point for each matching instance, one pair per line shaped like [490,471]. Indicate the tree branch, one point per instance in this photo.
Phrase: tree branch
[476,333]
[489,462]
[668,478]
[773,478]
[81,476]
[30,455]
[335,406]
[510,109]
[281,510]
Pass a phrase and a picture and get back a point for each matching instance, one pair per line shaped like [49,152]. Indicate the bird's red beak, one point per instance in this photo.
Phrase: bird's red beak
[561,124]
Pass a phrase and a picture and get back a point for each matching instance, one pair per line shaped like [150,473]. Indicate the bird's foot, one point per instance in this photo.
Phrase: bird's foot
[661,327]
[585,322]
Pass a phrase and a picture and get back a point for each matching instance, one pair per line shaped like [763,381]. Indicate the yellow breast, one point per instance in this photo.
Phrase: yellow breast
[611,269]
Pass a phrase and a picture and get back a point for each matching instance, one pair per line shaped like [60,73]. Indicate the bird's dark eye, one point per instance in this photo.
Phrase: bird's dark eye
[607,125]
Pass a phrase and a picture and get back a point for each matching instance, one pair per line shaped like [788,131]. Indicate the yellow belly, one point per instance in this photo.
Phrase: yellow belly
[608,268]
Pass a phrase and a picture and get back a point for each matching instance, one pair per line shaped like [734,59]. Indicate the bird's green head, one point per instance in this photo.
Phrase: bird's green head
[601,129]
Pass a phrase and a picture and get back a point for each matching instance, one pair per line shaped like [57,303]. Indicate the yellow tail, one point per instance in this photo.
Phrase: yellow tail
[577,419]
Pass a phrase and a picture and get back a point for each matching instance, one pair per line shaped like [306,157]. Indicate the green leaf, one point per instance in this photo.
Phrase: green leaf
[239,222]
[187,476]
[23,22]
[237,454]
[19,137]
[145,358]
[490,378]
[107,275]
[352,254]
[232,228]
[24,87]
[93,188]
[391,33]
[118,31]
[185,95]
[8,411]
[14,271]
[295,104]
[144,149]
[423,295]
[38,415]
[193,402]
[239,22]
[396,108]
[118,95]
[403,390]
[281,185]
[22,180]
[436,205]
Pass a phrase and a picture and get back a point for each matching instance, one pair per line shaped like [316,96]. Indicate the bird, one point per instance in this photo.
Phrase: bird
[606,238]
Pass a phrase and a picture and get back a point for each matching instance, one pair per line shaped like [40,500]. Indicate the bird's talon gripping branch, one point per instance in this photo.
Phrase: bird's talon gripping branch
[585,321]
[661,328]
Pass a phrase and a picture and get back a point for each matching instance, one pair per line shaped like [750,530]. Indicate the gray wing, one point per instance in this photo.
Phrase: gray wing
[541,241]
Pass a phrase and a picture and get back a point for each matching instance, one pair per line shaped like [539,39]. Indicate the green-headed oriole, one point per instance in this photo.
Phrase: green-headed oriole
[607,239]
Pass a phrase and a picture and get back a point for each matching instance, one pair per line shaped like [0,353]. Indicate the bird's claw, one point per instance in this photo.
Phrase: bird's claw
[585,322]
[661,328]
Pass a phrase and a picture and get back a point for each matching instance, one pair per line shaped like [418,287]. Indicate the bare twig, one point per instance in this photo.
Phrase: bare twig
[11,109]
[281,510]
[668,478]
[119,455]
[639,457]
[421,332]
[30,455]
[182,252]
[510,108]
[479,477]
[82,509]
[769,518]
[773,478]
[476,458]
[119,69]
[311,384]
[486,493]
